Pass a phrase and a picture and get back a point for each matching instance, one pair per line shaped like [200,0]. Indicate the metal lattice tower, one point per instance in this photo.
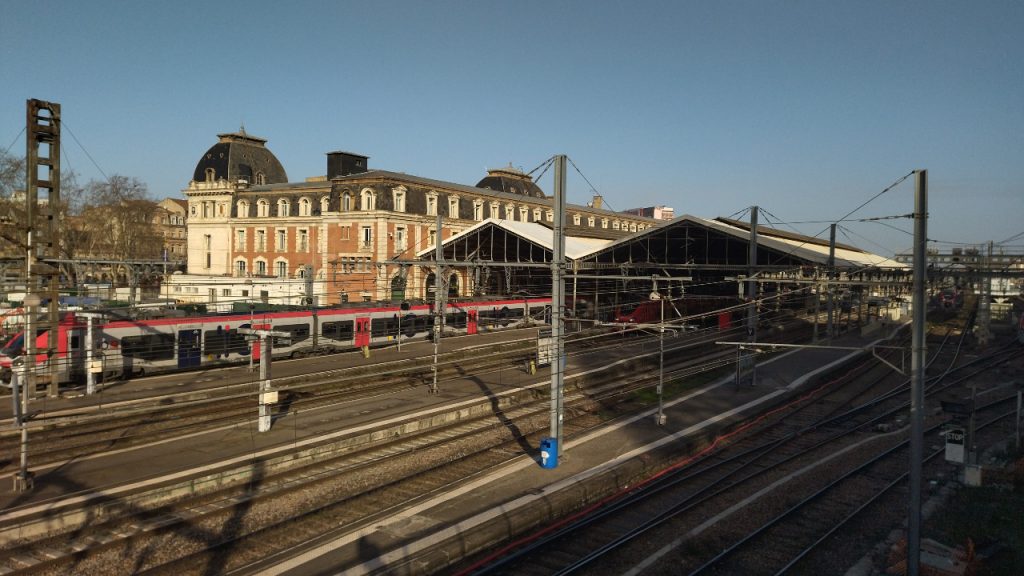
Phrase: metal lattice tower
[42,218]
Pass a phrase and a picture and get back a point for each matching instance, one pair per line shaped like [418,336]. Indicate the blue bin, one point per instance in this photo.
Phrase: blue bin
[548,452]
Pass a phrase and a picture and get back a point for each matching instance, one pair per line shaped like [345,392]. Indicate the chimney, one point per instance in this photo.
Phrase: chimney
[597,201]
[344,163]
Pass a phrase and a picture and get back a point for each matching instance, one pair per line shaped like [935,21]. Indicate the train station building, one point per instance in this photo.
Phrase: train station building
[349,236]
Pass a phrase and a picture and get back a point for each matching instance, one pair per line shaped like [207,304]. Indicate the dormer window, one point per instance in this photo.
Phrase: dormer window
[431,203]
[398,198]
[261,179]
[211,174]
[243,208]
[453,206]
[305,207]
[575,219]
[325,203]
[262,208]
[282,208]
[346,202]
[366,200]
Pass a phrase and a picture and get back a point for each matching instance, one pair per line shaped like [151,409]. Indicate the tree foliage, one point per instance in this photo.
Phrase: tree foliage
[109,220]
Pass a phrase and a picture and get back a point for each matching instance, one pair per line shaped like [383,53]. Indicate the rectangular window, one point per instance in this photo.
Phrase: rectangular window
[367,238]
[148,346]
[303,240]
[225,291]
[399,201]
[240,240]
[432,239]
[207,241]
[478,212]
[282,269]
[261,268]
[345,233]
[400,238]
[453,207]
[261,240]
[431,206]
[281,239]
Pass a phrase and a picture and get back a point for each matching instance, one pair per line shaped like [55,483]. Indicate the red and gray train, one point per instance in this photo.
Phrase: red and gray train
[135,347]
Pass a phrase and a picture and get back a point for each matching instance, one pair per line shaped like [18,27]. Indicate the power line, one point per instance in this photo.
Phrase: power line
[15,141]
[91,159]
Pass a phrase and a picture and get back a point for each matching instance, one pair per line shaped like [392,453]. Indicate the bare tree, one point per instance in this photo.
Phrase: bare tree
[116,219]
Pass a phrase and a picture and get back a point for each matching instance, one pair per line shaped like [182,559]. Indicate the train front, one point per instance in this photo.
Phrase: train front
[11,350]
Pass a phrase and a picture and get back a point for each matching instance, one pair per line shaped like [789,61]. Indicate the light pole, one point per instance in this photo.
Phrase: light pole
[660,420]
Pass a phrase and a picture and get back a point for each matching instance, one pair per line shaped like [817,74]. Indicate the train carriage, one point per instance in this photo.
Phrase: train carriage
[137,347]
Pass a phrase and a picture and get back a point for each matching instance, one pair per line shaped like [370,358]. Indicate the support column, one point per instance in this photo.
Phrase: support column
[557,303]
[918,349]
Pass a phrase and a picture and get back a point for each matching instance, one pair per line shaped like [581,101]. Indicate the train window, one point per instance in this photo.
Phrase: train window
[299,333]
[148,346]
[380,327]
[456,320]
[338,330]
[221,341]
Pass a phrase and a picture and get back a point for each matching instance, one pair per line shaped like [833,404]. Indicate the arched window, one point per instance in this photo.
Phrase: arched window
[281,268]
[325,204]
[211,174]
[398,288]
[367,200]
[346,202]
[453,286]
[282,208]
[262,208]
[305,207]
[261,179]
[240,268]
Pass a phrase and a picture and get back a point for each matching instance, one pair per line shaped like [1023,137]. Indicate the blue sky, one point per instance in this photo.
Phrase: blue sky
[806,109]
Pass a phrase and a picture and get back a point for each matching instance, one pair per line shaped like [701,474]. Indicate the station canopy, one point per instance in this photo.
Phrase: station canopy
[687,242]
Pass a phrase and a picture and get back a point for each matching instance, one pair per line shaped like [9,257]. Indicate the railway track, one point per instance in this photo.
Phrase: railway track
[683,498]
[206,526]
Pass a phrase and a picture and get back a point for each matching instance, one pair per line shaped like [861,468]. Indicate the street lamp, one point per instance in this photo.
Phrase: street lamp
[659,419]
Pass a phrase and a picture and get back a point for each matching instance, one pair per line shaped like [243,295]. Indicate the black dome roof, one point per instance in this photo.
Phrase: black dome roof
[239,156]
[512,181]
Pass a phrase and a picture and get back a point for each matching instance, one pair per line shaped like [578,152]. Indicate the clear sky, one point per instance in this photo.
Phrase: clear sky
[804,108]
